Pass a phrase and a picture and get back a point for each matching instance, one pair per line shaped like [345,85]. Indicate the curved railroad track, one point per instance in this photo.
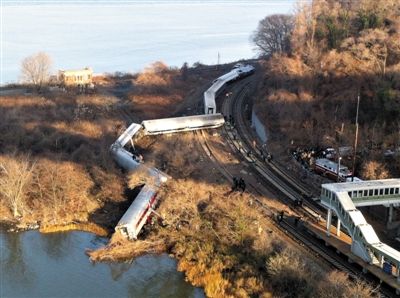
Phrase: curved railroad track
[269,174]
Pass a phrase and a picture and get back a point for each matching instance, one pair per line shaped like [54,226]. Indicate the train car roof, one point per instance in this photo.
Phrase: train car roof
[329,163]
[218,84]
[132,215]
[128,134]
[229,76]
[368,184]
[177,123]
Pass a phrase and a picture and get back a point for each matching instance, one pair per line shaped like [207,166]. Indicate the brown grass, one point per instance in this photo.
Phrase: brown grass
[87,227]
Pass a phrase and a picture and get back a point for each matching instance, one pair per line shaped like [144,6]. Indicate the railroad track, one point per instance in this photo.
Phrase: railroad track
[269,174]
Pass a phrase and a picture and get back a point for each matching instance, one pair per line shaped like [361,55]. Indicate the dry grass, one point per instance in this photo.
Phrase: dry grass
[87,227]
[73,172]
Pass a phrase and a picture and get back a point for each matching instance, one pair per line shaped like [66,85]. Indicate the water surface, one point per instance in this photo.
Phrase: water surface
[55,265]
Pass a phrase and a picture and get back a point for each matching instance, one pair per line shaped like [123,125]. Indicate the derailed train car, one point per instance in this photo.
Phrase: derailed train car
[211,94]
[138,213]
[219,85]
[180,124]
[136,216]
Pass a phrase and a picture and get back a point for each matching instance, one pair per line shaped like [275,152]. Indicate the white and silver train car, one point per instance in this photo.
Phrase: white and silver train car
[230,76]
[211,94]
[137,214]
[130,162]
[245,71]
[181,124]
[219,85]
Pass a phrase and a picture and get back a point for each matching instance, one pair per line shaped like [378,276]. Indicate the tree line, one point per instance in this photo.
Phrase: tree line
[318,60]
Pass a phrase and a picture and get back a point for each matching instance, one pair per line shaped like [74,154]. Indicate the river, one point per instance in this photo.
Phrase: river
[127,35]
[33,264]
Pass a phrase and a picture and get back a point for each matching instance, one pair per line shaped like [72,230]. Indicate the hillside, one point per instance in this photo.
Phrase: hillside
[308,95]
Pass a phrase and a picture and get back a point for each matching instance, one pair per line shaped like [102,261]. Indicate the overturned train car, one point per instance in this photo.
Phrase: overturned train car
[136,216]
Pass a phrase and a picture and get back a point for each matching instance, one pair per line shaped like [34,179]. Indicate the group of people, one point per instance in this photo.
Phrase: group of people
[305,156]
[299,201]
[238,184]
[267,157]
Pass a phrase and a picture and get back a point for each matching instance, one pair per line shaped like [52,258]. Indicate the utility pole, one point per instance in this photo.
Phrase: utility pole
[338,169]
[356,139]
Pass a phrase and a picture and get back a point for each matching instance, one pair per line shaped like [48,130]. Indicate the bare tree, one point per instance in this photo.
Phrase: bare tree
[272,34]
[16,174]
[35,69]
[372,170]
[370,46]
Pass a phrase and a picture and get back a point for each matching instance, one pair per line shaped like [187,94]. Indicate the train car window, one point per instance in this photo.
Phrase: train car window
[365,193]
[349,193]
[354,194]
[396,191]
[381,192]
[360,193]
[386,191]
[376,192]
[392,191]
[371,192]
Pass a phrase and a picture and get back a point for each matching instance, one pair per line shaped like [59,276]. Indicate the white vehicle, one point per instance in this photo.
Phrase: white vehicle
[180,124]
[137,214]
[353,179]
[211,94]
[330,153]
[329,169]
[389,154]
[238,65]
[219,84]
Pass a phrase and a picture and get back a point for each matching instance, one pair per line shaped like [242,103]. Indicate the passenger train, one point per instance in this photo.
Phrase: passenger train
[144,204]
[219,85]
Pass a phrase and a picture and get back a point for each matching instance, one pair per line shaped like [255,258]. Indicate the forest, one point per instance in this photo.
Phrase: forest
[328,68]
